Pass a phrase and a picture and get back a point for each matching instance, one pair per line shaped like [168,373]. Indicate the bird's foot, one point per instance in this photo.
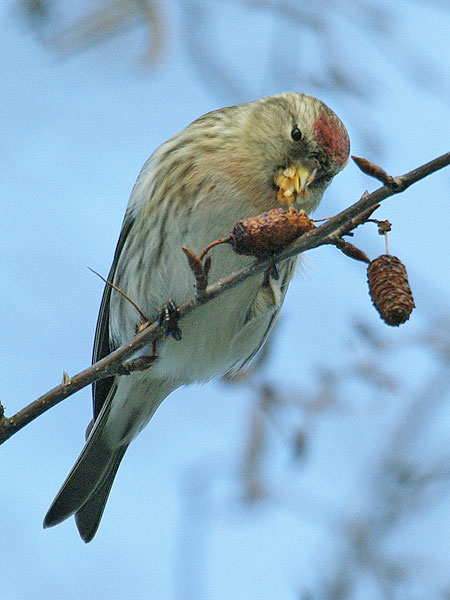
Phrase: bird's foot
[168,320]
[271,273]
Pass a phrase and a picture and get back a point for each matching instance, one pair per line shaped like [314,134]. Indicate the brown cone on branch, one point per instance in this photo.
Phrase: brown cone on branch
[269,232]
[389,289]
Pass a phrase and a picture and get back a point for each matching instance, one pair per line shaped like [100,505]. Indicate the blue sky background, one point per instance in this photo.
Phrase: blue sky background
[75,133]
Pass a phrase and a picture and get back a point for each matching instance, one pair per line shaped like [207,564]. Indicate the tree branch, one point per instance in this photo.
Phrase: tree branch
[116,362]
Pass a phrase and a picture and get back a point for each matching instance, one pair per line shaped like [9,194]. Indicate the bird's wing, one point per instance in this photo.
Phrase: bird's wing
[102,343]
[267,303]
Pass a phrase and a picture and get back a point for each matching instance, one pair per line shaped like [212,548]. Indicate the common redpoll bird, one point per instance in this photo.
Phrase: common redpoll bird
[229,164]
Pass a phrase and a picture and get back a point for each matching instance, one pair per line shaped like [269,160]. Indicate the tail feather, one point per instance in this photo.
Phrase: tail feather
[88,517]
[96,461]
[126,410]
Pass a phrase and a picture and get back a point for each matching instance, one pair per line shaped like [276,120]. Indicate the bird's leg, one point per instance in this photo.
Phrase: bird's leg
[168,320]
[271,273]
[273,270]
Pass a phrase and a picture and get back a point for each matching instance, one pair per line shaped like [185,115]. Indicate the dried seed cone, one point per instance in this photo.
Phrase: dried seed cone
[389,289]
[269,232]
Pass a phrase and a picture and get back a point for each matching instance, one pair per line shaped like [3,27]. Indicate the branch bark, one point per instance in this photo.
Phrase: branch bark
[116,362]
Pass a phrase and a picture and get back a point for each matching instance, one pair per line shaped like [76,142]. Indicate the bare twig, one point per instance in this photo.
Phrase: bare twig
[224,240]
[112,364]
[360,218]
[347,248]
[198,269]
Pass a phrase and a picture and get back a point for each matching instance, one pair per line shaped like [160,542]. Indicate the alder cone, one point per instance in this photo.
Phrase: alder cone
[389,289]
[269,232]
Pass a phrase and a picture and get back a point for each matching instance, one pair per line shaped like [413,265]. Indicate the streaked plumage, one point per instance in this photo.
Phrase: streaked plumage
[192,190]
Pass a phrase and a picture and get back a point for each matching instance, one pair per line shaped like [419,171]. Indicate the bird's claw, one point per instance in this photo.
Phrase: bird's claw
[168,320]
[273,270]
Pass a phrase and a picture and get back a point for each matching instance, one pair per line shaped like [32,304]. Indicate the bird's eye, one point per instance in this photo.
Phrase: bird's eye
[296,134]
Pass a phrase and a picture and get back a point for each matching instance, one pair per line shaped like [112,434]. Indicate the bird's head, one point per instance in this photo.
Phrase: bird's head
[297,144]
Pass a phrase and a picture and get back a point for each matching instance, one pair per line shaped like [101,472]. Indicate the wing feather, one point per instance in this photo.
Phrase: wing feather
[102,342]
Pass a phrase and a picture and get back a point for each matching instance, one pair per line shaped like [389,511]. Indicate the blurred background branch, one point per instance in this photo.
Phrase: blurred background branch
[299,29]
[404,481]
[308,45]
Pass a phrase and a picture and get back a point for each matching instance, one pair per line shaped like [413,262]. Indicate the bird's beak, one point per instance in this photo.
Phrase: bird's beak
[293,182]
[302,178]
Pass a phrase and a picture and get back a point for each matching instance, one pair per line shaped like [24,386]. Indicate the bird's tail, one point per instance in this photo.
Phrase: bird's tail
[86,489]
[129,406]
[88,517]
